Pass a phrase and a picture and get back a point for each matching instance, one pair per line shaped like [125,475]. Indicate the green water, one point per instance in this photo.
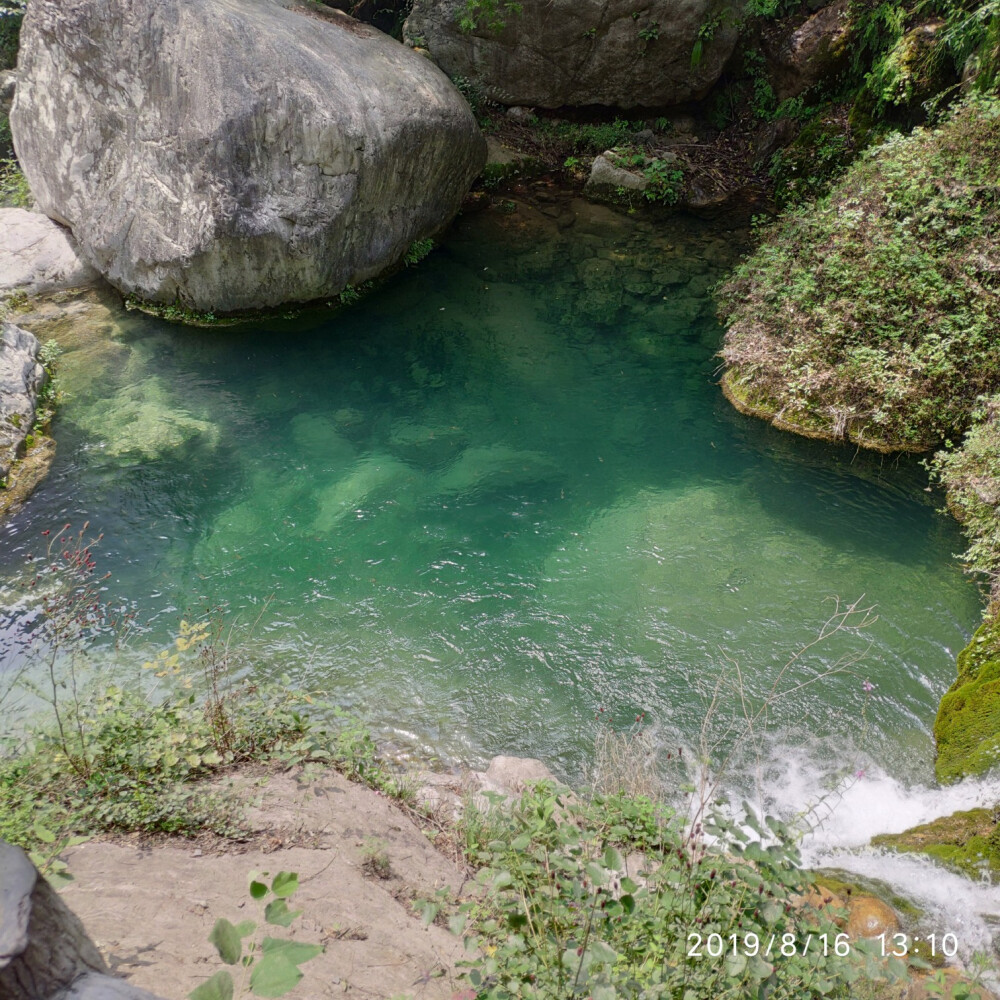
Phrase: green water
[503,493]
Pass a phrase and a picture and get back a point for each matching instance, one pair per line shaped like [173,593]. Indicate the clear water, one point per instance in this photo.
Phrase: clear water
[501,494]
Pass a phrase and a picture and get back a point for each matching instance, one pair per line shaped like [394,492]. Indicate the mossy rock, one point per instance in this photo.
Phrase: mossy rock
[966,841]
[967,728]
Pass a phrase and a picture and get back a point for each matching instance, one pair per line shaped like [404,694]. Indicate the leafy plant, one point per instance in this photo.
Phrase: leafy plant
[11,15]
[269,966]
[14,189]
[492,14]
[417,251]
[664,181]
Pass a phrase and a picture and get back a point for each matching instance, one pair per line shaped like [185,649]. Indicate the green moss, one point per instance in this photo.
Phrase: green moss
[966,841]
[967,728]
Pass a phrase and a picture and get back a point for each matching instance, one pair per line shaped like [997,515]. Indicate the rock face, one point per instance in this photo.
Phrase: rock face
[556,53]
[21,379]
[45,953]
[813,51]
[38,255]
[235,154]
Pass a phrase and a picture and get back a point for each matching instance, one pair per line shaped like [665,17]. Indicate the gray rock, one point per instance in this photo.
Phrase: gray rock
[17,879]
[235,154]
[607,180]
[581,52]
[21,379]
[39,255]
[45,948]
[510,776]
[816,49]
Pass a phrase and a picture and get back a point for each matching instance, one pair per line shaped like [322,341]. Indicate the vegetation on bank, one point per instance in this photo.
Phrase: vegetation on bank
[619,897]
[871,313]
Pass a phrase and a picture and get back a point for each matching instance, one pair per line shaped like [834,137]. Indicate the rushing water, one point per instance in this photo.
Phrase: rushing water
[503,493]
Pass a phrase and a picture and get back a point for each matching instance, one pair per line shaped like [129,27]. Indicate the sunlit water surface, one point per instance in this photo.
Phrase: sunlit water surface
[503,493]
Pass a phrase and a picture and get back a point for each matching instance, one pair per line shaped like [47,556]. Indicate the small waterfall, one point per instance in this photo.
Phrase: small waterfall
[870,802]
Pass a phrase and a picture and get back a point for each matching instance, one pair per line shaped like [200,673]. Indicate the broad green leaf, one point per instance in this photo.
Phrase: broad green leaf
[273,976]
[284,884]
[596,873]
[294,951]
[457,923]
[59,879]
[258,890]
[735,965]
[613,860]
[276,912]
[219,987]
[502,879]
[45,835]
[226,940]
[521,843]
[246,928]
[601,952]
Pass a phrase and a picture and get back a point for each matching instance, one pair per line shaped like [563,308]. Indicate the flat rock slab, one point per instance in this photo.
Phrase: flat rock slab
[38,255]
[151,909]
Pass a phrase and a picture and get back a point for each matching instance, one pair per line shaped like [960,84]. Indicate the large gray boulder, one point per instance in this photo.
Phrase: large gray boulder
[235,154]
[556,53]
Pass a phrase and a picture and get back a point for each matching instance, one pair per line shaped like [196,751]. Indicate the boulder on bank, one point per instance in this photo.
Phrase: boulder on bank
[556,53]
[610,182]
[38,255]
[44,951]
[236,154]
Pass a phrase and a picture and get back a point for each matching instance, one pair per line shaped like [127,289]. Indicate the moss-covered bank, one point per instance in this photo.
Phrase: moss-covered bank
[967,730]
[968,841]
[870,315]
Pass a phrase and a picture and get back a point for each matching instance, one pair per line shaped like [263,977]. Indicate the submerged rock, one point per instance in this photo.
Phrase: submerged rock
[235,154]
[555,53]
[142,422]
[21,379]
[870,917]
[38,255]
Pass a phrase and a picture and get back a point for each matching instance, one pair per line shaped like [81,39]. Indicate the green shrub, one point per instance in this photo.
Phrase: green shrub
[618,898]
